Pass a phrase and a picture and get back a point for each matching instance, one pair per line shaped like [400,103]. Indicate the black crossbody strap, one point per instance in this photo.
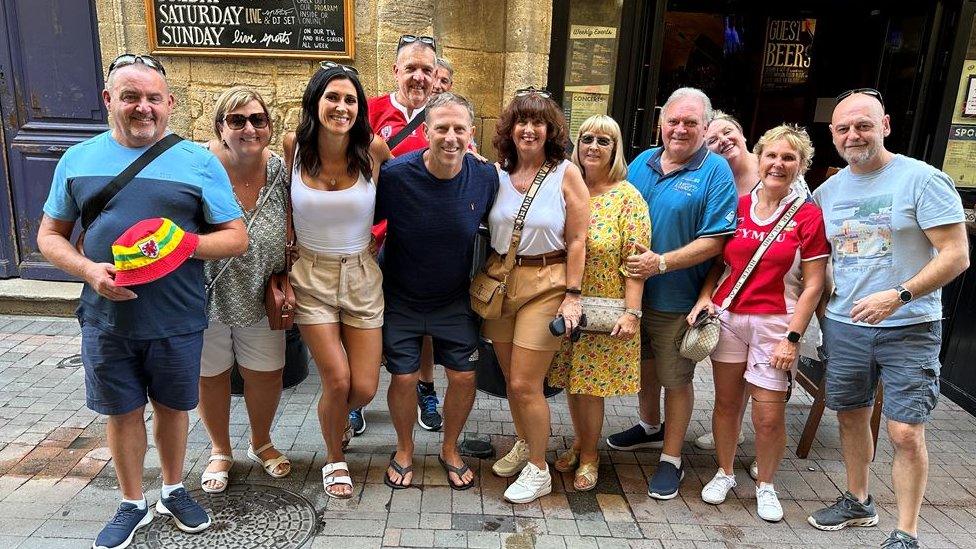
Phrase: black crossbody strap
[417,120]
[94,206]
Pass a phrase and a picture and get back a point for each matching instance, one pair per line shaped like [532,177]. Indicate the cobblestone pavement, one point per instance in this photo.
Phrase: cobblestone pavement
[57,484]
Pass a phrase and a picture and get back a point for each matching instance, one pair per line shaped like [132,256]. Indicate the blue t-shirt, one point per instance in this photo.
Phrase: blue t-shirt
[186,184]
[875,223]
[432,225]
[696,200]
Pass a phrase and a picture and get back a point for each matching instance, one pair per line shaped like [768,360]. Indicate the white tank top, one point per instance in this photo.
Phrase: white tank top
[545,222]
[332,222]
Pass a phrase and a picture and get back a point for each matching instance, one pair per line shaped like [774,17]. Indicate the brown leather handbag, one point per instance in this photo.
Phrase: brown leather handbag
[279,297]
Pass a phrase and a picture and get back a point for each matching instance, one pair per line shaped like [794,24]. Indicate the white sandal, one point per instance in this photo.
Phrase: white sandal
[220,476]
[270,464]
[329,479]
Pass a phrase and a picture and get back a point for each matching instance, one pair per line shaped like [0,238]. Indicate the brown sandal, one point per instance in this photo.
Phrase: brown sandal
[589,472]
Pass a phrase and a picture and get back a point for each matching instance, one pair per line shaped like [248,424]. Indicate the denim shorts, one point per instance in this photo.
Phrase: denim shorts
[453,329]
[120,373]
[904,358]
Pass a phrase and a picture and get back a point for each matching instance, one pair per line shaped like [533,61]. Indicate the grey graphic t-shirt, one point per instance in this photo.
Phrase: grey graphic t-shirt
[875,225]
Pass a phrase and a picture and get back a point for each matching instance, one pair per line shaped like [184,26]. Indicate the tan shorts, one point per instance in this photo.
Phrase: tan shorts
[338,288]
[532,297]
[255,347]
[661,335]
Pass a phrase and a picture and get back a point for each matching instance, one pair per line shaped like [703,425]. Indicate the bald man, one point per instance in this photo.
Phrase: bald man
[896,229]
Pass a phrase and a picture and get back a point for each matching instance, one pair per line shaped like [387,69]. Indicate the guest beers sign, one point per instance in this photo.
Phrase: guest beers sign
[788,53]
[315,29]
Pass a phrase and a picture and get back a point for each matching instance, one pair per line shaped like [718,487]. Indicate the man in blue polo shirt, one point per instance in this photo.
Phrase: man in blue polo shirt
[433,199]
[691,195]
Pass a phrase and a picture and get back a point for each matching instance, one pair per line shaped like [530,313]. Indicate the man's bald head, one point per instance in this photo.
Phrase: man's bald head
[858,127]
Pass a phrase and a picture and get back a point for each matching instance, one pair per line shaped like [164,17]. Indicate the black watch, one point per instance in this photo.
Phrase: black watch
[904,294]
[793,337]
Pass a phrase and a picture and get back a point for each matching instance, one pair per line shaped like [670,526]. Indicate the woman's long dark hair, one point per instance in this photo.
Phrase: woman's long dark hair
[360,135]
[531,107]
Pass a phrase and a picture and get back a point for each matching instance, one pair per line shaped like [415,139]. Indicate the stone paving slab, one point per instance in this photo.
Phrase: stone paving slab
[57,483]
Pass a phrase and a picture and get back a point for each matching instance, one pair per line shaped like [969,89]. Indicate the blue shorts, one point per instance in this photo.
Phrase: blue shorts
[904,358]
[453,329]
[120,373]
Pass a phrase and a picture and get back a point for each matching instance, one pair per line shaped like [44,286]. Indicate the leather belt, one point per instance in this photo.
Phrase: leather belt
[551,258]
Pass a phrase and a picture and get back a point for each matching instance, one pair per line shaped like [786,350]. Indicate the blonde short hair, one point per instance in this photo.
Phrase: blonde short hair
[726,117]
[796,136]
[601,123]
[235,98]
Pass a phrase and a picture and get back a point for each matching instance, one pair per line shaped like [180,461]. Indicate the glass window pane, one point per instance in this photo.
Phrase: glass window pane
[591,59]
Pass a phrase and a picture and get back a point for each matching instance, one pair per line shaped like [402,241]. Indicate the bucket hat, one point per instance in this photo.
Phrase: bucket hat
[150,250]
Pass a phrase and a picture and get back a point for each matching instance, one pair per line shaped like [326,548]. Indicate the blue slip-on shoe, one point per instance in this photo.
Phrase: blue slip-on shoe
[636,438]
[358,422]
[186,513]
[664,484]
[427,415]
[119,531]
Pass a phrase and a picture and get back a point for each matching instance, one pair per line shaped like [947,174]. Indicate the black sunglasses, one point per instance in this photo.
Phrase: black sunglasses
[866,91]
[330,65]
[531,90]
[589,138]
[411,38]
[237,121]
[127,59]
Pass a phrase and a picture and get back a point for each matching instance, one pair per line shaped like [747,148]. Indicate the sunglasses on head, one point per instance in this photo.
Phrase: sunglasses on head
[330,65]
[531,90]
[411,38]
[238,121]
[589,138]
[127,59]
[866,91]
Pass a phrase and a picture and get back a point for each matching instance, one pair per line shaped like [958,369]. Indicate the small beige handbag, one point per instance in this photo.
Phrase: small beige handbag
[601,313]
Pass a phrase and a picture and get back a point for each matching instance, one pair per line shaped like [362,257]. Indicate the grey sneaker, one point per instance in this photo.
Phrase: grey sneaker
[900,540]
[846,511]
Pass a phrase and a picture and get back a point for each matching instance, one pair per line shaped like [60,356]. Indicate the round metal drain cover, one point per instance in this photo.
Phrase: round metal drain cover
[73,361]
[244,516]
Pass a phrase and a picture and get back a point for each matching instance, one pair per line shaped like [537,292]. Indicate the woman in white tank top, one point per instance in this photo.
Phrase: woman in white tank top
[335,161]
[545,281]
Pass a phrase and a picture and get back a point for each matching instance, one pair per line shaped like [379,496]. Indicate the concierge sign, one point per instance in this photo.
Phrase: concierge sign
[314,29]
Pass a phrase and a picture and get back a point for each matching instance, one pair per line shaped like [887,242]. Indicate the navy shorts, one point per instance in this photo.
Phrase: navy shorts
[453,329]
[904,358]
[120,373]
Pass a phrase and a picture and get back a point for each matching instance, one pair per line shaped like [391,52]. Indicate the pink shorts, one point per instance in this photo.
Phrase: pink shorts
[752,338]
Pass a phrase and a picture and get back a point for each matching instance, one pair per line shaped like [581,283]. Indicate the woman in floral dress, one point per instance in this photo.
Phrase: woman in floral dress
[601,365]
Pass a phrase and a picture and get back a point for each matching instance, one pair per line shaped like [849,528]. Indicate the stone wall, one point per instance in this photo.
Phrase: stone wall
[496,47]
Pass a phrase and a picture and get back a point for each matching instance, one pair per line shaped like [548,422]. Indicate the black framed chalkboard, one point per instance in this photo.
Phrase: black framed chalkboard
[313,29]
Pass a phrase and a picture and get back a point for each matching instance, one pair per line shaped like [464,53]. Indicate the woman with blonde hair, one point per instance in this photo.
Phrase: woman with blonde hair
[239,330]
[601,365]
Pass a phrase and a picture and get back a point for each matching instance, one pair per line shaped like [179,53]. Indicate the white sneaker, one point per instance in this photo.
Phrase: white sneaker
[715,491]
[754,470]
[532,484]
[767,504]
[707,441]
[513,461]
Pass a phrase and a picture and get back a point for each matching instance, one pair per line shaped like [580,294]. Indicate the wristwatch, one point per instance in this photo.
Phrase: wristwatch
[793,337]
[904,294]
[636,312]
[662,265]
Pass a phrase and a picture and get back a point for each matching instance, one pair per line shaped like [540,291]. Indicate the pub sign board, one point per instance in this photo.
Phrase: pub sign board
[310,29]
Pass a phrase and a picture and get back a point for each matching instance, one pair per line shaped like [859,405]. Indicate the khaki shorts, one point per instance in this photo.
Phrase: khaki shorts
[661,335]
[532,296]
[255,347]
[338,288]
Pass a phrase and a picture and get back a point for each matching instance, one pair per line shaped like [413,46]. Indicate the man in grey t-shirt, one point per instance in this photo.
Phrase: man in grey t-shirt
[896,230]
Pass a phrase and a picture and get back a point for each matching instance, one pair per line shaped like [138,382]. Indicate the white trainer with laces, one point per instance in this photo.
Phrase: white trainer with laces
[531,484]
[718,488]
[767,503]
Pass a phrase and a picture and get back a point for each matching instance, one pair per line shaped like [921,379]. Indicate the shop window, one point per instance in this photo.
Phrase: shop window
[591,59]
[960,155]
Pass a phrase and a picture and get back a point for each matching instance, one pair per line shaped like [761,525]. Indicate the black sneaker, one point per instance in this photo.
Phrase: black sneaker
[635,438]
[358,422]
[186,513]
[427,415]
[119,531]
[846,511]
[900,540]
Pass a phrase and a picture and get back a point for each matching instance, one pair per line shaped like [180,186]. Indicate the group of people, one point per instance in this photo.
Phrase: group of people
[386,196]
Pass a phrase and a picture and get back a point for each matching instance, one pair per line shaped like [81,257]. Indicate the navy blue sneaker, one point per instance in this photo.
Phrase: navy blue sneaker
[635,438]
[358,422]
[119,531]
[664,484]
[186,513]
[427,415]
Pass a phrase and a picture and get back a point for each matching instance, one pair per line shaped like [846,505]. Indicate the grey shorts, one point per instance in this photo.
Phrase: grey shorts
[904,358]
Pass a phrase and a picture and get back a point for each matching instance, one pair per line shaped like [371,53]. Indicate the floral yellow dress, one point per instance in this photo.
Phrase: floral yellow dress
[598,364]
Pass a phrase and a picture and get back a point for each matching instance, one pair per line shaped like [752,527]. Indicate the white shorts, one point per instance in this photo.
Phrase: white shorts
[752,338]
[255,347]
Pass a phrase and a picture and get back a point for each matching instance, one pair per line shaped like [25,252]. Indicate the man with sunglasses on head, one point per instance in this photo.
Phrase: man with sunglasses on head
[142,344]
[896,227]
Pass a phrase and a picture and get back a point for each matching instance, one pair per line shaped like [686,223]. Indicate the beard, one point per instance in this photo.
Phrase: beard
[860,155]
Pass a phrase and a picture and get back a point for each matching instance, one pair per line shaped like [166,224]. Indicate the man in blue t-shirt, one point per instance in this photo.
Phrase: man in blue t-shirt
[434,201]
[690,193]
[897,234]
[143,344]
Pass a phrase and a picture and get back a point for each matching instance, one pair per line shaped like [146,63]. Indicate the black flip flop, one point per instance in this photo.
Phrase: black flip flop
[400,470]
[459,471]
